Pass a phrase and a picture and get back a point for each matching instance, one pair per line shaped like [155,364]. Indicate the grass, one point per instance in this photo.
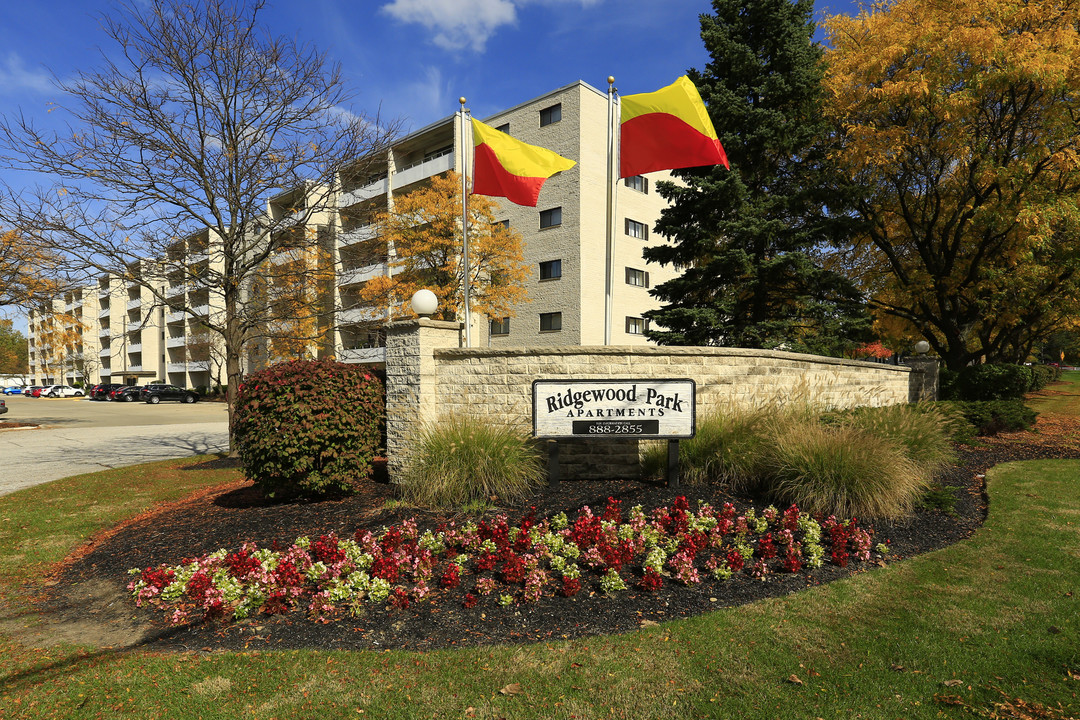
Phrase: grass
[1060,398]
[957,633]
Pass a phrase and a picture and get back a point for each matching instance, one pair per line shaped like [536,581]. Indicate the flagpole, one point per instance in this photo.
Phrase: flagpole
[610,240]
[466,146]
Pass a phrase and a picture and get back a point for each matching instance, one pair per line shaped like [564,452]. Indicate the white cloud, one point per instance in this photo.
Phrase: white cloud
[459,24]
[14,75]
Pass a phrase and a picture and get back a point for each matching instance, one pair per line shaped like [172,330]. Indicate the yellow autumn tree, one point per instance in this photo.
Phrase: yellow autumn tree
[296,284]
[425,231]
[26,271]
[957,142]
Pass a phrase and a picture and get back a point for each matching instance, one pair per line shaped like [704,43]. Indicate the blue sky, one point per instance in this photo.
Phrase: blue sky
[408,59]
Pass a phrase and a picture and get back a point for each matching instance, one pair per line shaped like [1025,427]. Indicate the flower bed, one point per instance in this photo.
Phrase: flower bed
[501,564]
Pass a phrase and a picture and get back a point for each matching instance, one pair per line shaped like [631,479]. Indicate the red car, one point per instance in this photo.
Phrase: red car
[36,391]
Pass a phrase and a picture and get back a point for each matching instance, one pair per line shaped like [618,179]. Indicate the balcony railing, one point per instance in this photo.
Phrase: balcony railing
[358,315]
[172,316]
[175,291]
[104,312]
[379,187]
[105,332]
[175,367]
[134,304]
[424,170]
[361,274]
[363,355]
[176,341]
[135,347]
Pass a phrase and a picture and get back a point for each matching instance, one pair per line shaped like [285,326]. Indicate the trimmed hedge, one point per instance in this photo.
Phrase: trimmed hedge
[993,416]
[309,428]
[995,381]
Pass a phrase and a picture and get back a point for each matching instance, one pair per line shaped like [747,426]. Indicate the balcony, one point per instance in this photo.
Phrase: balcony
[103,291]
[198,365]
[177,367]
[172,316]
[360,234]
[362,274]
[133,367]
[105,332]
[360,315]
[135,347]
[201,310]
[379,187]
[363,355]
[134,304]
[105,352]
[176,341]
[423,170]
[174,291]
[104,312]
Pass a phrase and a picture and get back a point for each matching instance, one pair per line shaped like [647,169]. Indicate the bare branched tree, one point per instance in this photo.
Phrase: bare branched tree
[178,145]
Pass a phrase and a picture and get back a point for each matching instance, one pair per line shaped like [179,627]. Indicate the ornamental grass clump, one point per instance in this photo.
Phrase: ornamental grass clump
[309,428]
[460,460]
[922,431]
[728,447]
[845,470]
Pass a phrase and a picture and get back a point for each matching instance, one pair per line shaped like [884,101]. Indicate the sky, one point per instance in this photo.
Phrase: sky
[406,59]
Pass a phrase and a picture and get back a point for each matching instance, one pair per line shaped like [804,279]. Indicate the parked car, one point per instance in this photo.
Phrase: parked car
[3,407]
[125,393]
[155,393]
[14,390]
[38,390]
[55,391]
[28,391]
[103,391]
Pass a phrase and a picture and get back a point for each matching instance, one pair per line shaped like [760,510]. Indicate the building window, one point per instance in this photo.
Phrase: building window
[441,152]
[639,183]
[499,326]
[636,229]
[550,322]
[636,326]
[551,270]
[638,278]
[502,223]
[551,115]
[504,128]
[550,218]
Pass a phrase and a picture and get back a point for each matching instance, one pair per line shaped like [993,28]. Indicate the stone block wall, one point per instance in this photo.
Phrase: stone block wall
[429,375]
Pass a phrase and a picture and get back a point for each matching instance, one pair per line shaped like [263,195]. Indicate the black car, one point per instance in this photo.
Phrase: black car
[101,391]
[125,393]
[155,393]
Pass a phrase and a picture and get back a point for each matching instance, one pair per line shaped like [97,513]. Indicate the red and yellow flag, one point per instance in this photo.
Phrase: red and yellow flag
[509,168]
[667,129]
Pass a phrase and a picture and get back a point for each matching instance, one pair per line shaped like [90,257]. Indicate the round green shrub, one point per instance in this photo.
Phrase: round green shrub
[992,382]
[309,428]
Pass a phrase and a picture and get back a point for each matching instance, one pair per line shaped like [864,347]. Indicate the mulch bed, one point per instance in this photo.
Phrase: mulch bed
[227,516]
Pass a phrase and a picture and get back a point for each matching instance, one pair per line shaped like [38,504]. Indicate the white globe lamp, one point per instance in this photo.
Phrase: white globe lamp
[424,303]
[922,347]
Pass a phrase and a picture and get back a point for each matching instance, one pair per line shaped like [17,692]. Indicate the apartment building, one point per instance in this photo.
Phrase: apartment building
[124,334]
[565,235]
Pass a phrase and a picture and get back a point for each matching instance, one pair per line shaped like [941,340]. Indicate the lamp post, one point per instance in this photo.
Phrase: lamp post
[424,303]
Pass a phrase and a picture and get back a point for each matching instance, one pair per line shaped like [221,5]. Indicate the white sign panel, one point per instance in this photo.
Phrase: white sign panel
[613,408]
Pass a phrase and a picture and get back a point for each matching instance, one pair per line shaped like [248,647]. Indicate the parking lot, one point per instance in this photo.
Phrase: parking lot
[76,436]
[81,412]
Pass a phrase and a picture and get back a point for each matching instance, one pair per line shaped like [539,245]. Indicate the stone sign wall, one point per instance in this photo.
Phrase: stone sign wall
[430,375]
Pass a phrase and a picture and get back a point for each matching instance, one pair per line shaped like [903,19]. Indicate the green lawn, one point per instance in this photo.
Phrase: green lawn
[1060,398]
[976,627]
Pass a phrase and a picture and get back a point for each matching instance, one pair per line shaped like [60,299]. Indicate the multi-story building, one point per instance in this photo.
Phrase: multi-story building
[139,338]
[565,235]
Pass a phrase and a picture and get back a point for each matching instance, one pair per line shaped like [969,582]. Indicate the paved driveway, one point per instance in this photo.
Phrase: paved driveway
[79,436]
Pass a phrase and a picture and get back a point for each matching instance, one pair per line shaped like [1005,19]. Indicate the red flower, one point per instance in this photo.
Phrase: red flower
[570,586]
[651,581]
[470,601]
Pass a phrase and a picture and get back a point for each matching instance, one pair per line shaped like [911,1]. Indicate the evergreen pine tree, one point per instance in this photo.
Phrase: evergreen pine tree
[748,238]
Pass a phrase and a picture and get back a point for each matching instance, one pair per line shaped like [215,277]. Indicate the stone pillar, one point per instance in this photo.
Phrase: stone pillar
[923,380]
[411,379]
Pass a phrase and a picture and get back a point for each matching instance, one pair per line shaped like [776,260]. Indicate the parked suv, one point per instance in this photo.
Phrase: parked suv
[155,393]
[61,391]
